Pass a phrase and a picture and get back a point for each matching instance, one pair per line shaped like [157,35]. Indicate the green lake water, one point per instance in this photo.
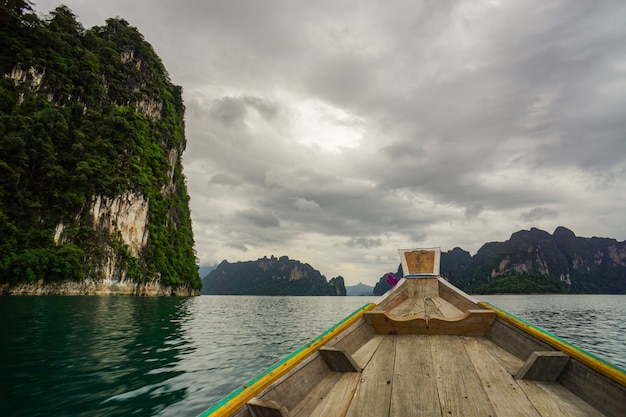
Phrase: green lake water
[121,356]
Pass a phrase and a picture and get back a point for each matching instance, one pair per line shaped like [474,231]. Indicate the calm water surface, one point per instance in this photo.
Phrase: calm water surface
[114,356]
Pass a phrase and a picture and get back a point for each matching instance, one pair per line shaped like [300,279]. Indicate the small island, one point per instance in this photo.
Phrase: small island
[270,276]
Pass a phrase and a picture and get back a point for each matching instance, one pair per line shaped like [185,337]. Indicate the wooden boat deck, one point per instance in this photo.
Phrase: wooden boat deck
[419,375]
[428,349]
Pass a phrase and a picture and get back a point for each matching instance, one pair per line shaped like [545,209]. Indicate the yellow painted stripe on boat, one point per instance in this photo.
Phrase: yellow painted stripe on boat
[241,396]
[610,371]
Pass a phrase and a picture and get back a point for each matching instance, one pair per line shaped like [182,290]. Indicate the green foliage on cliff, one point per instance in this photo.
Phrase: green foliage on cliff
[87,113]
[270,276]
[535,261]
[522,284]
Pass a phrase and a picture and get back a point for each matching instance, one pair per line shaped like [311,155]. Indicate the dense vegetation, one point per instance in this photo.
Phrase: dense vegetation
[86,113]
[535,261]
[522,284]
[270,276]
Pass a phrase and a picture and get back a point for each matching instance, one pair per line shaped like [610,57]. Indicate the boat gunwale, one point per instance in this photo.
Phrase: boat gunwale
[606,369]
[238,398]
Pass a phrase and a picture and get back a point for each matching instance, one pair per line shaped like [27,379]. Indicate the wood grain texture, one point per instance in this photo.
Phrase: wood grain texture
[373,395]
[365,352]
[267,408]
[337,402]
[543,366]
[316,395]
[459,387]
[339,360]
[504,394]
[510,362]
[552,399]
[414,388]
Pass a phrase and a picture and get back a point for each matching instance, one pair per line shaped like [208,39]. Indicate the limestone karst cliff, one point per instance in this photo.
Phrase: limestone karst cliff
[93,199]
[271,276]
[535,261]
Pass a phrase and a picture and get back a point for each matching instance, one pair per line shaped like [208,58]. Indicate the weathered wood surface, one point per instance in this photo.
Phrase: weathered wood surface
[427,375]
[373,394]
[594,388]
[472,323]
[459,387]
[502,390]
[414,388]
[312,400]
[552,399]
[339,360]
[339,399]
[267,408]
[543,366]
[365,353]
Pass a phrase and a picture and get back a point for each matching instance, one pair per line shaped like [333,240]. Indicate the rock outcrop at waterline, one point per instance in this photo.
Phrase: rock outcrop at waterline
[100,287]
[92,195]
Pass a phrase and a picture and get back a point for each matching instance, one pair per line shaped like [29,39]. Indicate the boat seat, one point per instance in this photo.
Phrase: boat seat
[266,408]
[543,366]
[471,323]
[339,360]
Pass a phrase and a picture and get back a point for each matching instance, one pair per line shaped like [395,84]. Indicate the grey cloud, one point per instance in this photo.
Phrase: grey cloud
[364,242]
[468,113]
[538,213]
[224,178]
[263,219]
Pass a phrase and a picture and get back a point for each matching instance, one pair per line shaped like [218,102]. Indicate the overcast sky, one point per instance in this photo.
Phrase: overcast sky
[336,132]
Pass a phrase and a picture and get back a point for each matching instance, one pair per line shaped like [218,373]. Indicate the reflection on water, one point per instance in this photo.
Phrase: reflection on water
[83,356]
[119,356]
[596,323]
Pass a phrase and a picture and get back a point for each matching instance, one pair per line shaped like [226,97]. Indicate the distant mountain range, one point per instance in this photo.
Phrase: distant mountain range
[360,289]
[270,276]
[535,261]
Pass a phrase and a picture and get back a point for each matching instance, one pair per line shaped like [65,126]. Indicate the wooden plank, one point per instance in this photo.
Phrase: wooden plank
[410,307]
[552,399]
[373,395]
[339,360]
[414,388]
[446,309]
[338,400]
[543,366]
[293,387]
[365,352]
[455,296]
[594,388]
[353,337]
[510,362]
[502,390]
[514,340]
[421,288]
[317,393]
[460,390]
[266,408]
[472,323]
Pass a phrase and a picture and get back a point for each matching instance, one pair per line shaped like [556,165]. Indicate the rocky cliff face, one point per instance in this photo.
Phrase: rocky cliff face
[92,195]
[270,276]
[582,265]
[555,262]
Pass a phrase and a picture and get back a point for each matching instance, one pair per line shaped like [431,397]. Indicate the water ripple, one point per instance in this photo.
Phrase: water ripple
[118,356]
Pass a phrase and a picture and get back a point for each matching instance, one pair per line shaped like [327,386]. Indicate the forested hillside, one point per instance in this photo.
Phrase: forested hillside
[271,276]
[91,138]
[535,261]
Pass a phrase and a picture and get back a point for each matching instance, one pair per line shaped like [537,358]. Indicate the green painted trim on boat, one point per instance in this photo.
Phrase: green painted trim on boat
[601,366]
[226,406]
